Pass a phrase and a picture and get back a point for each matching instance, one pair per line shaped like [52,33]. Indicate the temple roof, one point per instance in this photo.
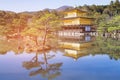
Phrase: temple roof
[84,17]
[75,10]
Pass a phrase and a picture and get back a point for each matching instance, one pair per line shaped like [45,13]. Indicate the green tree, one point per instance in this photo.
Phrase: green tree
[47,23]
[110,24]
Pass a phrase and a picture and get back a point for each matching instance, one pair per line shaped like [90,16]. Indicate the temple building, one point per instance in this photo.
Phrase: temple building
[77,22]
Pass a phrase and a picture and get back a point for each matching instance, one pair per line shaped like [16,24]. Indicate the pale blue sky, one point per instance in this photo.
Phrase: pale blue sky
[35,5]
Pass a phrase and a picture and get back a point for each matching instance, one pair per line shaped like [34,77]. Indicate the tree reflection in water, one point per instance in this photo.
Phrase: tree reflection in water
[44,68]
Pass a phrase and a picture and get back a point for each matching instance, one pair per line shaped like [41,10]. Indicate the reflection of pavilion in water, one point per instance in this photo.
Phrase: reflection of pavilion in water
[76,47]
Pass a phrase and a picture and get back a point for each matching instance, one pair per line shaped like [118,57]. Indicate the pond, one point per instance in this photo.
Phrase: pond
[68,58]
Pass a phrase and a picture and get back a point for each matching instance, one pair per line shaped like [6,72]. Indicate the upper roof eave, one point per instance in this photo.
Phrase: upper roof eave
[75,9]
[77,17]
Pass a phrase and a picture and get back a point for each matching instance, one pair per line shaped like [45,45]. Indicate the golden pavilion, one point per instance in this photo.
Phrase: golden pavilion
[77,22]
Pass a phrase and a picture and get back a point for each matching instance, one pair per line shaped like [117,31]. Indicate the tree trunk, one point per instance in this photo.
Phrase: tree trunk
[36,40]
[44,40]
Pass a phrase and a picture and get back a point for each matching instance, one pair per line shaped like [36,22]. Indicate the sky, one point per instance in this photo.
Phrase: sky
[36,5]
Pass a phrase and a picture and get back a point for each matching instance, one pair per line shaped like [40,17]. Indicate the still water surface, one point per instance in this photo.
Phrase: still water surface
[84,58]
